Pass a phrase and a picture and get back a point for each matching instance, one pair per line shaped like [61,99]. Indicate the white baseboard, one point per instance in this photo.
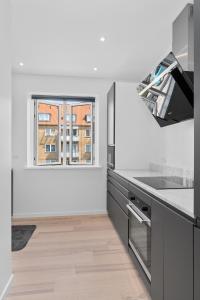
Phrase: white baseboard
[58,214]
[6,288]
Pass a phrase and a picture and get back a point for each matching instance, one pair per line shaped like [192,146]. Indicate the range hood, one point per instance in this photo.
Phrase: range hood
[168,90]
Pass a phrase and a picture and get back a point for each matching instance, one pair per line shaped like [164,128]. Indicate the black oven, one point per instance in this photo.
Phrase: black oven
[140,233]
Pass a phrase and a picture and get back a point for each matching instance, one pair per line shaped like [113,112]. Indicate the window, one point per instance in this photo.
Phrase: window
[49,132]
[88,118]
[68,132]
[75,132]
[70,118]
[44,117]
[61,141]
[50,148]
[88,148]
[88,132]
[75,149]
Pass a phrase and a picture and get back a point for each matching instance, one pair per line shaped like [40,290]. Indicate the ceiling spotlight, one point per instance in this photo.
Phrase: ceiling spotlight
[95,69]
[102,39]
[21,64]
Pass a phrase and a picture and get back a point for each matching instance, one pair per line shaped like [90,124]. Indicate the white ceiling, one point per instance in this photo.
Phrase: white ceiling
[61,37]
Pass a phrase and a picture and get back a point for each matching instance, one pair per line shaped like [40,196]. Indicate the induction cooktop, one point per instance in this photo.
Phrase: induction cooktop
[166,182]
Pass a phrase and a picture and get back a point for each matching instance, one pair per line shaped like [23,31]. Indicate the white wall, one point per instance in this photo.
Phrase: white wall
[55,192]
[179,145]
[139,139]
[5,153]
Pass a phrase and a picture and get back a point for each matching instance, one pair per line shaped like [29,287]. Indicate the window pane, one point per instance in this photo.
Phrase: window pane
[44,117]
[83,136]
[65,132]
[48,133]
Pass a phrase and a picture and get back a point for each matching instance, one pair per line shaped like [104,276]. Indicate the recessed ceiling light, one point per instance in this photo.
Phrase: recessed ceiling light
[102,39]
[21,64]
[95,69]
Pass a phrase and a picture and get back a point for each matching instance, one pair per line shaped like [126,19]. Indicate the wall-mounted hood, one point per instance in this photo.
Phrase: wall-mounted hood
[168,90]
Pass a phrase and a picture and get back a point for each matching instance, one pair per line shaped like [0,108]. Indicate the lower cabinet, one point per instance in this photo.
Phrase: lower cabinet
[119,219]
[172,242]
[196,263]
[172,255]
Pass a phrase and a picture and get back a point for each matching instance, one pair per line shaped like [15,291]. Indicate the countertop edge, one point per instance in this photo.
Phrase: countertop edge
[153,192]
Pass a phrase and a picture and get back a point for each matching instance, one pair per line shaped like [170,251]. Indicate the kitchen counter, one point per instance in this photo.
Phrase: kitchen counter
[181,199]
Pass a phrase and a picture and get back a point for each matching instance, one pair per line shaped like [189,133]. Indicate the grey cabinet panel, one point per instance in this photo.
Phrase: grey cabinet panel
[172,255]
[119,179]
[196,263]
[122,189]
[178,257]
[111,115]
[119,197]
[119,219]
[157,252]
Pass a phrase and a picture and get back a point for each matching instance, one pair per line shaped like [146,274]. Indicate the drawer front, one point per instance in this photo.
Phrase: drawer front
[119,179]
[119,197]
[119,219]
[121,188]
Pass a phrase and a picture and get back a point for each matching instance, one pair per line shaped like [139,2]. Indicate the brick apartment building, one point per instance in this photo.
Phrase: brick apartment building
[51,135]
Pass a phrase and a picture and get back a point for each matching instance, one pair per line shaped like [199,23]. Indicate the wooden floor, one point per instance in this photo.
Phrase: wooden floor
[74,258]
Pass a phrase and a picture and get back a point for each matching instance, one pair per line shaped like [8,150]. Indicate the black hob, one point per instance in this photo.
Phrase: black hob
[166,182]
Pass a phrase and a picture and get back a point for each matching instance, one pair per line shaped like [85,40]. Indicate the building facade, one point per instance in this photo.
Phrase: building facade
[65,133]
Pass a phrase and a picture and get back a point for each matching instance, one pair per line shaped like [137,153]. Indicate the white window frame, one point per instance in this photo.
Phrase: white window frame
[50,148]
[88,136]
[35,152]
[86,148]
[46,114]
[86,118]
[51,132]
[31,135]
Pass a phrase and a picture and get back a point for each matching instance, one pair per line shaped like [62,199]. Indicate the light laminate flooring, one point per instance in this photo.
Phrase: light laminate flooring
[74,258]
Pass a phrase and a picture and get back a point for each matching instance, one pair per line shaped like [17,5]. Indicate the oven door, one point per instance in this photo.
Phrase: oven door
[140,237]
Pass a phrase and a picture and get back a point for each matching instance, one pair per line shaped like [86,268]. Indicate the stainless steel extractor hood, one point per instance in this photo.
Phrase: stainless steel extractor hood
[183,38]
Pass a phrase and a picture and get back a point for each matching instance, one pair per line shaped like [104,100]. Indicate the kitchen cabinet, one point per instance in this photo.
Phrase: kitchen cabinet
[111,127]
[157,252]
[196,263]
[172,241]
[119,219]
[172,255]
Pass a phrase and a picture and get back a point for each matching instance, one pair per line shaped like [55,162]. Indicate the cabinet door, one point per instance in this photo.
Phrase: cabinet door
[119,219]
[157,251]
[196,263]
[178,257]
[111,115]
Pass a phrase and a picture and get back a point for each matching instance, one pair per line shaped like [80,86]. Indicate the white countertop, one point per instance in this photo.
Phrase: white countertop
[181,199]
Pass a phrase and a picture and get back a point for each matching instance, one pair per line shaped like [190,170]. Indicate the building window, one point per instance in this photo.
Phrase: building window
[44,117]
[50,148]
[88,132]
[71,117]
[88,148]
[50,132]
[58,142]
[68,132]
[88,118]
[75,132]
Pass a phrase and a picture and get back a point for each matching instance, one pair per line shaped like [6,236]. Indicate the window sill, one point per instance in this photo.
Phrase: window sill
[63,167]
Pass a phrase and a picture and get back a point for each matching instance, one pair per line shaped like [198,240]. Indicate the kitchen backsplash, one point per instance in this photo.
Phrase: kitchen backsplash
[186,174]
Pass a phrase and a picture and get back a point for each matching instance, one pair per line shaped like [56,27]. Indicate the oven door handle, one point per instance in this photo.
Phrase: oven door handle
[141,220]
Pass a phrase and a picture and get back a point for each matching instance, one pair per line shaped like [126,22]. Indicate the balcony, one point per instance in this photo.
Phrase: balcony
[74,138]
[74,154]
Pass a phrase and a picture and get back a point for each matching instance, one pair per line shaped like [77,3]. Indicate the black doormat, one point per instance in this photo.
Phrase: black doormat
[21,234]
